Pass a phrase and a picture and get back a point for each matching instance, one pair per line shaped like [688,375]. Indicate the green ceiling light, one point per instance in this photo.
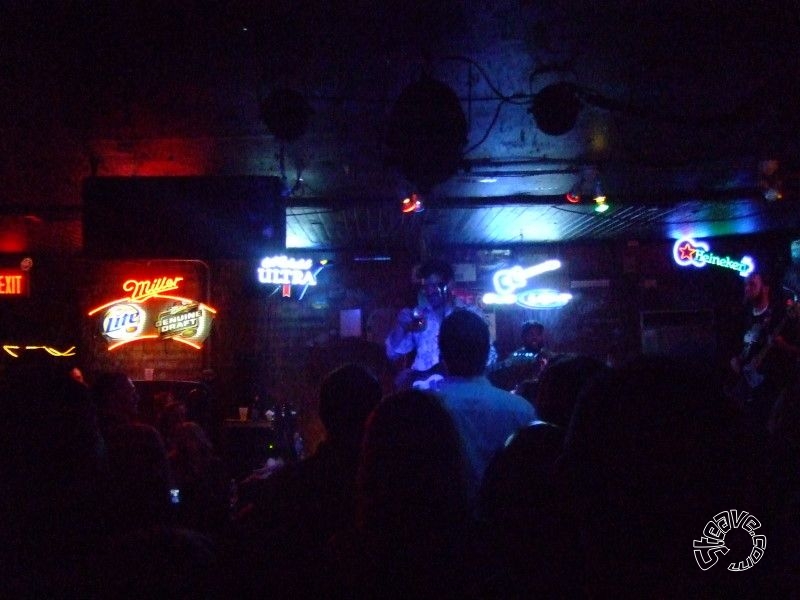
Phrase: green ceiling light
[555,108]
[286,114]
[426,133]
[600,204]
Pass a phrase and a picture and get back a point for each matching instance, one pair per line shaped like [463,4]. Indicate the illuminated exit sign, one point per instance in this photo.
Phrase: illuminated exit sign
[13,283]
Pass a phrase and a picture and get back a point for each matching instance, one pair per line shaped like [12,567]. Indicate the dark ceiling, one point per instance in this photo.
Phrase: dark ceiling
[685,113]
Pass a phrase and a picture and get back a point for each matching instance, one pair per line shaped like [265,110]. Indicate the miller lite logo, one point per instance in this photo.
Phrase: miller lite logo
[150,312]
[124,322]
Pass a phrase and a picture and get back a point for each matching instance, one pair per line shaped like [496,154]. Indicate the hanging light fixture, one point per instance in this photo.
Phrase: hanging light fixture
[600,204]
[575,193]
[412,204]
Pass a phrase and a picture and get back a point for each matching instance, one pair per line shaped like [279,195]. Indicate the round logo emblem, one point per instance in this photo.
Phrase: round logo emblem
[708,548]
[124,322]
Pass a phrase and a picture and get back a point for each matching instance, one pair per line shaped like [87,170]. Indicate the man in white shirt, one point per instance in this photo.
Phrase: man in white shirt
[485,416]
[417,329]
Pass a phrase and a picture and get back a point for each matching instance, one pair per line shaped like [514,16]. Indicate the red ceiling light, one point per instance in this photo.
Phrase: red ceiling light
[412,204]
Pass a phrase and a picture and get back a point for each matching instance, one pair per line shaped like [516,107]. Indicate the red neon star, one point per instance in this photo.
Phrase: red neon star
[687,251]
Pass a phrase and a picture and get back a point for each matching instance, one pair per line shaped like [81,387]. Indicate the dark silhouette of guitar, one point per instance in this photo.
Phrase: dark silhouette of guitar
[750,372]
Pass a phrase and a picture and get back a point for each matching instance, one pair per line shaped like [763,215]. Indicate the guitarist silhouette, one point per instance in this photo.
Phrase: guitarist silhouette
[770,351]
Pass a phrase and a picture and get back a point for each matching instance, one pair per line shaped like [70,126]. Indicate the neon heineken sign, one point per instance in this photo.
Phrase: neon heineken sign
[687,251]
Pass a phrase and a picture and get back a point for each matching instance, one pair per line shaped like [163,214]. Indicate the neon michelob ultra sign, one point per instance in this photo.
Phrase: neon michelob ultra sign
[687,251]
[285,272]
[508,281]
[148,312]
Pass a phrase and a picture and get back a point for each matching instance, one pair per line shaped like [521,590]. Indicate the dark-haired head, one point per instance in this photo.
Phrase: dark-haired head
[529,326]
[464,343]
[435,266]
[655,442]
[561,383]
[347,396]
[412,469]
[116,399]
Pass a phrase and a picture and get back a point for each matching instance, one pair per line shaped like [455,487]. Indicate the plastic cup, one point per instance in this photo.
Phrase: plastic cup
[417,322]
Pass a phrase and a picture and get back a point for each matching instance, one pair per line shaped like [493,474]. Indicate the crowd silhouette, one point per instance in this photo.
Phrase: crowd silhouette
[605,491]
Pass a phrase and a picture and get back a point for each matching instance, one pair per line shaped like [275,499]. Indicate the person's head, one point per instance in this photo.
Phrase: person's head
[518,484]
[436,279]
[190,442]
[347,396]
[412,473]
[76,374]
[532,333]
[756,288]
[115,397]
[139,475]
[464,343]
[170,417]
[560,385]
[656,442]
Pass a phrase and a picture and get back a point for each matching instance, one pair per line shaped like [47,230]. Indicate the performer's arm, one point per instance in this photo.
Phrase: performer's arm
[400,341]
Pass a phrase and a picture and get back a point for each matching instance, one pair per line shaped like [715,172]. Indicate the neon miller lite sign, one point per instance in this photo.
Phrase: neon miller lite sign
[149,312]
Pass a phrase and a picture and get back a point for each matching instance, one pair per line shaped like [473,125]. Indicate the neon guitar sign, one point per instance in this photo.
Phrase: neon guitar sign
[687,252]
[508,281]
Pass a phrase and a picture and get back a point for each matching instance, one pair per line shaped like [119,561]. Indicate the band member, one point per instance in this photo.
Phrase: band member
[485,415]
[526,362]
[768,361]
[533,339]
[417,329]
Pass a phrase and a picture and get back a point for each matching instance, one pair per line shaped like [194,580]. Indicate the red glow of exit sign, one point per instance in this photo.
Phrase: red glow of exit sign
[13,283]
